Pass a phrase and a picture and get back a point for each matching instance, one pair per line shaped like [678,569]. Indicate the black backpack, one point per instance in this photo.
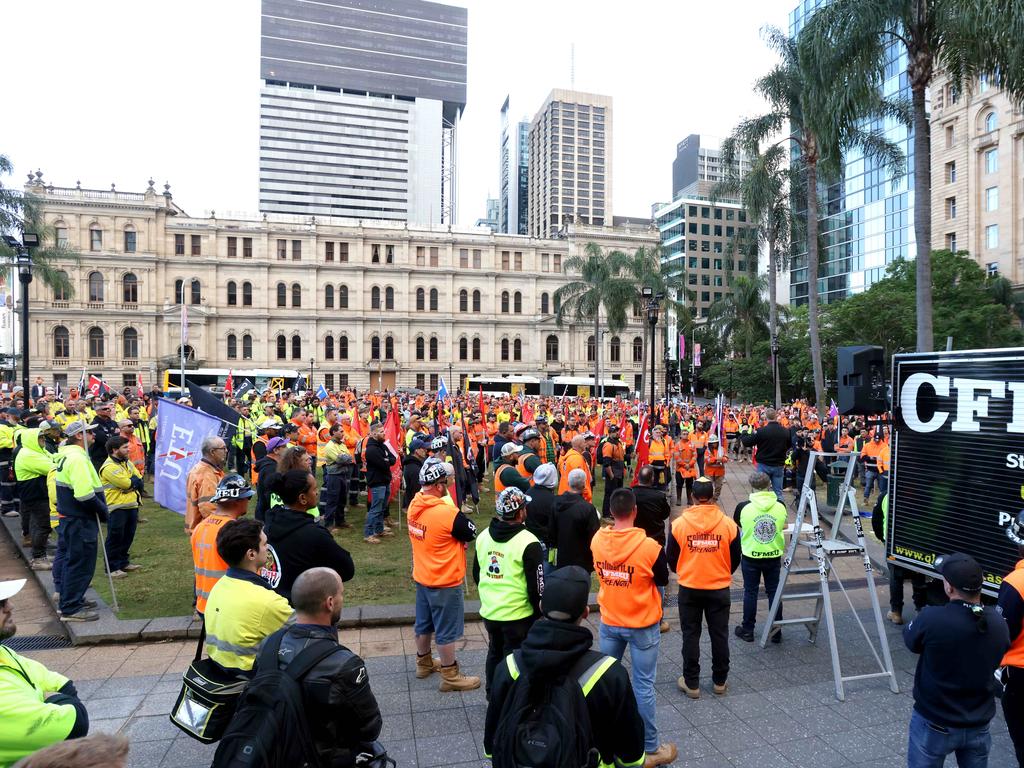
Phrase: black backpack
[269,728]
[546,723]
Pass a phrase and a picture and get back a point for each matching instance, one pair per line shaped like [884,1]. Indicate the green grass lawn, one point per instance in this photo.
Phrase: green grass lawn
[164,585]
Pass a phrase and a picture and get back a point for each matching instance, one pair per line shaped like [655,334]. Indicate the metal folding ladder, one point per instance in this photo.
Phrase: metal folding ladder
[822,551]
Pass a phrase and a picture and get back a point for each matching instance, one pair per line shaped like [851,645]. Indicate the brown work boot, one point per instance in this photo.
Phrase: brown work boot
[895,617]
[426,666]
[665,754]
[720,690]
[693,693]
[664,627]
[452,680]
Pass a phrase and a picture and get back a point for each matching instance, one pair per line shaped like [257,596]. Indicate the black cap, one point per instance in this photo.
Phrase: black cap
[703,488]
[961,571]
[566,593]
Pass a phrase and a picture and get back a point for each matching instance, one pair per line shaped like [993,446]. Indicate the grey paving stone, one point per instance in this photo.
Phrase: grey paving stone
[110,725]
[386,665]
[167,628]
[690,742]
[186,752]
[709,761]
[765,757]
[402,751]
[811,753]
[151,728]
[125,686]
[393,703]
[390,683]
[156,704]
[747,705]
[431,700]
[396,728]
[445,750]
[781,727]
[107,708]
[732,739]
[430,724]
[146,754]
[856,748]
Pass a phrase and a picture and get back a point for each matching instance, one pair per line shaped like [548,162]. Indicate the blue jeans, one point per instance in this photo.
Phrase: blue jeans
[870,477]
[930,743]
[121,525]
[643,653]
[81,537]
[775,474]
[754,569]
[375,515]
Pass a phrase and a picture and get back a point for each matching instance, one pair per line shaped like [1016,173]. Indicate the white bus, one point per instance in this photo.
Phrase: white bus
[497,386]
[583,386]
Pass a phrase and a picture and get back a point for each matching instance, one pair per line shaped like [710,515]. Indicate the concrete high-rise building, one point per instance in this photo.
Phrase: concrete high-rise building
[866,219]
[513,173]
[977,138]
[698,165]
[570,163]
[359,108]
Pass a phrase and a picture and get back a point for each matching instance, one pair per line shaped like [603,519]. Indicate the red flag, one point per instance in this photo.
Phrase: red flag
[643,447]
[527,413]
[97,386]
[138,385]
[393,440]
[229,385]
[483,405]
[599,428]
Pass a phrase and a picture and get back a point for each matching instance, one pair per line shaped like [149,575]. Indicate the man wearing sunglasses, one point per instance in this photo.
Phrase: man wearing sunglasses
[39,707]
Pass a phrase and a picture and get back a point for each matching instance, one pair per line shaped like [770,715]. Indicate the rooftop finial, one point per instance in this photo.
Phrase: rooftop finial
[167,189]
[150,188]
[112,189]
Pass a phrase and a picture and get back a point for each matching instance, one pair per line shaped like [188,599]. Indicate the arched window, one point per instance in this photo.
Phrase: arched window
[61,342]
[130,288]
[95,287]
[375,347]
[342,297]
[61,293]
[551,349]
[476,349]
[343,347]
[96,343]
[556,303]
[389,298]
[517,303]
[463,349]
[421,352]
[463,301]
[282,295]
[517,349]
[990,121]
[296,295]
[433,299]
[504,302]
[179,291]
[544,304]
[130,344]
[232,293]
[282,347]
[296,347]
[329,296]
[232,346]
[375,298]
[504,349]
[591,350]
[328,348]
[476,301]
[433,348]
[195,292]
[638,349]
[246,294]
[247,347]
[421,300]
[389,348]
[615,350]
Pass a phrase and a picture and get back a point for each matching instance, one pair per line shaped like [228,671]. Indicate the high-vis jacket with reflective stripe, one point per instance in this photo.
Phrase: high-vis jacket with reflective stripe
[240,613]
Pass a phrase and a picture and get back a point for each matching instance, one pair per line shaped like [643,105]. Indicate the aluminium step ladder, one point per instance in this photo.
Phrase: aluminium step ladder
[822,551]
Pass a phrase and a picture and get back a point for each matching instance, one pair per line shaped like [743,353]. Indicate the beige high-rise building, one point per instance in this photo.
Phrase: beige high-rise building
[570,163]
[978,176]
[367,304]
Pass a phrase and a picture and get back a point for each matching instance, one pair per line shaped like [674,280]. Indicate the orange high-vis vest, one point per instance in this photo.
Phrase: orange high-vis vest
[438,558]
[659,450]
[704,535]
[624,562]
[685,457]
[713,465]
[499,486]
[1015,655]
[207,561]
[573,459]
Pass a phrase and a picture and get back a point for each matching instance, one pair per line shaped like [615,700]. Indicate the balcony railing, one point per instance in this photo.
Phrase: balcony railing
[60,304]
[59,362]
[130,363]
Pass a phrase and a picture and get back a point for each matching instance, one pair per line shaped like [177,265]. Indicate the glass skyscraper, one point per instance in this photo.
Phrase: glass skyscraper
[866,218]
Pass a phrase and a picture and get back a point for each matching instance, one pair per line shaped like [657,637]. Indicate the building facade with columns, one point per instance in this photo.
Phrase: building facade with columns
[367,302]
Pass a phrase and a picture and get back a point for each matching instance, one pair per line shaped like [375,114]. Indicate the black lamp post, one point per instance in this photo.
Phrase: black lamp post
[653,305]
[24,263]
[775,368]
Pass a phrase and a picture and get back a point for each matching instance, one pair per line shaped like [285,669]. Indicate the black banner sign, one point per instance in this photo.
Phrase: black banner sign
[957,458]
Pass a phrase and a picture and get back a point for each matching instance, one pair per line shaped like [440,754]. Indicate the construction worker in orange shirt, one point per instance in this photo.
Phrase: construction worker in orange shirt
[699,438]
[659,454]
[714,463]
[684,457]
[574,459]
[306,436]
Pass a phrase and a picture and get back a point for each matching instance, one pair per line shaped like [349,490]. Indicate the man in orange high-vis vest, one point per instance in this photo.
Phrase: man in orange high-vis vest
[1011,605]
[705,549]
[232,501]
[439,534]
[684,456]
[574,459]
[631,568]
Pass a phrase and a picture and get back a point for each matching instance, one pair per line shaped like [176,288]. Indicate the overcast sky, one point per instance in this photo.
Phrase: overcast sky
[121,90]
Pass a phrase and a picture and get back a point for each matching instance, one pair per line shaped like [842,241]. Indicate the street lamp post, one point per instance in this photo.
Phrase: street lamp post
[24,263]
[775,369]
[449,377]
[653,305]
[309,384]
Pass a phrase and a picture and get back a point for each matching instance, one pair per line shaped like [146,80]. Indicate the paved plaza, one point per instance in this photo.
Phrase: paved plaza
[780,709]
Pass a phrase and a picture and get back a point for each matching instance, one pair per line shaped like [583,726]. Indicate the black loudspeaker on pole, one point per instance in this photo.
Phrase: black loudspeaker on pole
[860,372]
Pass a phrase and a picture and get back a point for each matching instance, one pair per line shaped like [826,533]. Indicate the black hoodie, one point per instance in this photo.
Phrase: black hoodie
[533,559]
[266,468]
[301,544]
[538,512]
[574,521]
[550,649]
[411,472]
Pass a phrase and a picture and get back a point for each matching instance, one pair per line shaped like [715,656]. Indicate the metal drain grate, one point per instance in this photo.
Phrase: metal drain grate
[37,643]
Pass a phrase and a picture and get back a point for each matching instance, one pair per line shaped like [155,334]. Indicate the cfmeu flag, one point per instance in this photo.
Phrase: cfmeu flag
[393,441]
[180,432]
[97,385]
[643,447]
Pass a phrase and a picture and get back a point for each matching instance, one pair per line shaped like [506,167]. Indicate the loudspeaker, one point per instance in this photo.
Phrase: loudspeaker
[861,375]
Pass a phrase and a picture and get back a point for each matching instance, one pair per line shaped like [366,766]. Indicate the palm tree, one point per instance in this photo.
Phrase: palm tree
[965,38]
[599,286]
[22,213]
[1002,292]
[765,191]
[825,118]
[740,317]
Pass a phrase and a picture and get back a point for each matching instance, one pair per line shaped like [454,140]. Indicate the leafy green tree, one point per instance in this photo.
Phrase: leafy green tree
[1002,292]
[741,315]
[854,40]
[19,213]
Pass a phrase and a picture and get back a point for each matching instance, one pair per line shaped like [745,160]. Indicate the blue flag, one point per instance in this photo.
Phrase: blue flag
[442,391]
[321,392]
[180,432]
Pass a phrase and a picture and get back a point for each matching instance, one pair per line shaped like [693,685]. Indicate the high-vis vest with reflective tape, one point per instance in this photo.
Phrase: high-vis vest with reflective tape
[502,588]
[209,565]
[239,617]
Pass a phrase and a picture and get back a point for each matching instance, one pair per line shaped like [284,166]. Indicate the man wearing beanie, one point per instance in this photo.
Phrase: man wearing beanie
[961,644]
[558,647]
[705,549]
[509,573]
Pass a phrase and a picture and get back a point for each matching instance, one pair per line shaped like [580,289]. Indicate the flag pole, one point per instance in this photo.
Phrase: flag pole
[184,338]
